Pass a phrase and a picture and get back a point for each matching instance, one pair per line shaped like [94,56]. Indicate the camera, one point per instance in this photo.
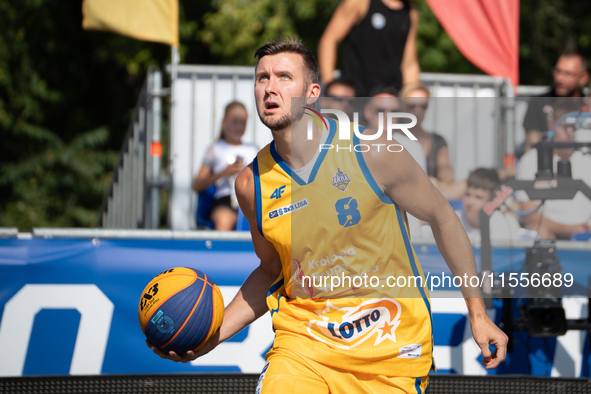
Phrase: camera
[543,311]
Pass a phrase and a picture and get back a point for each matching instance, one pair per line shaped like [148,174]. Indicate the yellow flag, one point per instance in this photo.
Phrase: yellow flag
[148,20]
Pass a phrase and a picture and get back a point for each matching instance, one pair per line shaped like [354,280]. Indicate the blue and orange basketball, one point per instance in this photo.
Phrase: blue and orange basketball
[181,309]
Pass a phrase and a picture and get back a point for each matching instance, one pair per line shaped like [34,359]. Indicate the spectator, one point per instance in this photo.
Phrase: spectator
[379,44]
[569,77]
[558,218]
[482,182]
[416,101]
[381,104]
[223,161]
[339,94]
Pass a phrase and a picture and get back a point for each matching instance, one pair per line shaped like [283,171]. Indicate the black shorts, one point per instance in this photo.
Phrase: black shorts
[225,201]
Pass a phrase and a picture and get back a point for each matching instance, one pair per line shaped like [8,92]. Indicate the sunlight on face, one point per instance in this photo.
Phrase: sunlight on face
[278,78]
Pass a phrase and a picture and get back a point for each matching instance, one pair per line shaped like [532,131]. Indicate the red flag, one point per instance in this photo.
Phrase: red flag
[485,31]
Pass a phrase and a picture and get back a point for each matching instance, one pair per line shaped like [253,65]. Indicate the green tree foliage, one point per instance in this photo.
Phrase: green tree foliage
[547,29]
[67,95]
[233,29]
[66,99]
[59,184]
[236,28]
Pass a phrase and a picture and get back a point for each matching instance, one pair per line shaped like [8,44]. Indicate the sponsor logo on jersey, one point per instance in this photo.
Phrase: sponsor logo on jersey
[278,192]
[348,327]
[340,180]
[288,209]
[410,351]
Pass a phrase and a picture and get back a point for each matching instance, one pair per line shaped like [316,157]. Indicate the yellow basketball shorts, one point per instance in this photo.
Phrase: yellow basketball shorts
[289,373]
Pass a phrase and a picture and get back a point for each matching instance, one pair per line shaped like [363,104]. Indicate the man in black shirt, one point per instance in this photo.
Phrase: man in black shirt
[379,44]
[569,77]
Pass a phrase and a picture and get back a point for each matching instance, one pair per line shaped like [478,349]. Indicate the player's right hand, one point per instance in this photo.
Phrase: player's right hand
[190,355]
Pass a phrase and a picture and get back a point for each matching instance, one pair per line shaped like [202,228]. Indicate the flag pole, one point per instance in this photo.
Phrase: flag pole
[174,61]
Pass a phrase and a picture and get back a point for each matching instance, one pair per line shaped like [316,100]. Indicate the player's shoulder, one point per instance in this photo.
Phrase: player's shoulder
[263,156]
[245,180]
[387,150]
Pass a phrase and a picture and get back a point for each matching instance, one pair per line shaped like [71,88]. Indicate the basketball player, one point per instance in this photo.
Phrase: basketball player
[322,213]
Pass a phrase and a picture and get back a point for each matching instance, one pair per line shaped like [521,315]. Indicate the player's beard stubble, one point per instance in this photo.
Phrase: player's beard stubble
[283,122]
[276,124]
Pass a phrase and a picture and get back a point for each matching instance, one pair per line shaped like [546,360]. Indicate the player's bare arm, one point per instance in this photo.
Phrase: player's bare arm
[250,302]
[348,14]
[409,66]
[402,179]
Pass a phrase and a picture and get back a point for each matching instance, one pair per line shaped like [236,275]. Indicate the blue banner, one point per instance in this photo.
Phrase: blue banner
[69,306]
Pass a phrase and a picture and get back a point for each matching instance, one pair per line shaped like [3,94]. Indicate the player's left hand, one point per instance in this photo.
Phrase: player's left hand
[485,333]
[190,355]
[176,357]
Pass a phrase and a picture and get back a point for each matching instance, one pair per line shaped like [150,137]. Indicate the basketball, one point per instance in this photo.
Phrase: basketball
[181,309]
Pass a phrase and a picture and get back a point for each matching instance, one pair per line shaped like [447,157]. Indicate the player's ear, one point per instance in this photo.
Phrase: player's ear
[312,93]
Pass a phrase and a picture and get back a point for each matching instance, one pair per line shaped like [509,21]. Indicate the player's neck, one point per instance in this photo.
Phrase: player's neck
[294,147]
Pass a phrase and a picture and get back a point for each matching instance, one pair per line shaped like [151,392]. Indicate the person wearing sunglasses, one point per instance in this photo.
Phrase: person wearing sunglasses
[339,94]
[569,77]
[415,98]
[379,106]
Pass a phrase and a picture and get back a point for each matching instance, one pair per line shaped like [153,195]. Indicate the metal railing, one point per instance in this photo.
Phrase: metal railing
[133,198]
[8,232]
[201,92]
[467,88]
[198,97]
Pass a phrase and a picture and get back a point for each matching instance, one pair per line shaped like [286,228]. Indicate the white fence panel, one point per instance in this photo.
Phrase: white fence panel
[466,112]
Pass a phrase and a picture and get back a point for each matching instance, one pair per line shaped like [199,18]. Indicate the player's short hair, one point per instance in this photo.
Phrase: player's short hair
[339,81]
[484,178]
[584,63]
[292,45]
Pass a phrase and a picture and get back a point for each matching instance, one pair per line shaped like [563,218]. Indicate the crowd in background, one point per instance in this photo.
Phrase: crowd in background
[380,62]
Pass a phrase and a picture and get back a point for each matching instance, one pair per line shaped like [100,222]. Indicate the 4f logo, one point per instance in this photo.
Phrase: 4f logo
[152,291]
[278,192]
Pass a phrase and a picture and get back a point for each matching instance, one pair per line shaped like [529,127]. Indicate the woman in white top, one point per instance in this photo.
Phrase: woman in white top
[223,161]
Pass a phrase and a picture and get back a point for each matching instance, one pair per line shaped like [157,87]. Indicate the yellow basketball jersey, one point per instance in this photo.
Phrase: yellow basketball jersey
[340,225]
